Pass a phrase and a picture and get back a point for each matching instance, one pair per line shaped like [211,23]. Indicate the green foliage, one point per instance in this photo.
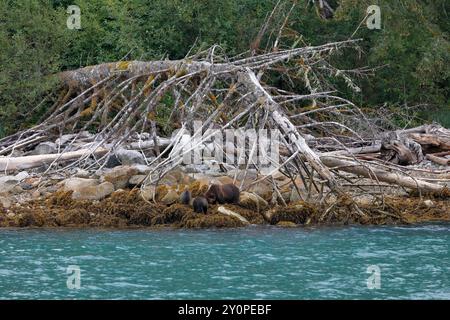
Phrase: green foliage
[412,49]
[31,50]
[413,45]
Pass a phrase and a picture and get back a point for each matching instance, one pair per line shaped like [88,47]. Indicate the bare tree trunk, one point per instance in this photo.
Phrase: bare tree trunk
[380,175]
[250,80]
[438,160]
[21,163]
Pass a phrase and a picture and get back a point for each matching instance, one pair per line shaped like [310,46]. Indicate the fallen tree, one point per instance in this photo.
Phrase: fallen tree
[22,163]
[121,101]
[370,171]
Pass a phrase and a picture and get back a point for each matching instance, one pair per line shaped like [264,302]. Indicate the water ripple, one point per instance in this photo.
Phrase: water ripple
[251,263]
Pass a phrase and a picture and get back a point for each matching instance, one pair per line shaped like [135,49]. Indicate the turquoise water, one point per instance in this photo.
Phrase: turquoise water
[251,263]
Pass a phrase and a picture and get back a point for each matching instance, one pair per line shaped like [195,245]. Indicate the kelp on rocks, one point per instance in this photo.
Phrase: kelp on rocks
[212,221]
[128,209]
[122,209]
[300,213]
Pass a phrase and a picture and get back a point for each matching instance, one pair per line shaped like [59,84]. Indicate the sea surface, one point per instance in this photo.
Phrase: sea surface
[390,262]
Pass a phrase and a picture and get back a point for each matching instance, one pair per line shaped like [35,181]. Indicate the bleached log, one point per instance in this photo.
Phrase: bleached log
[86,76]
[230,213]
[150,144]
[252,83]
[432,141]
[373,173]
[361,150]
[27,162]
[438,160]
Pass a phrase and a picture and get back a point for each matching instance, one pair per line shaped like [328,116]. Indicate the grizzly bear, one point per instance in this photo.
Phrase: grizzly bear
[185,197]
[200,205]
[227,193]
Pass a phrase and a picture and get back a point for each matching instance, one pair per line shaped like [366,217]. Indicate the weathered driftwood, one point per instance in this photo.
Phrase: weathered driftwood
[249,79]
[405,147]
[231,213]
[401,150]
[150,144]
[374,173]
[27,162]
[411,146]
[432,143]
[122,100]
[353,151]
[438,160]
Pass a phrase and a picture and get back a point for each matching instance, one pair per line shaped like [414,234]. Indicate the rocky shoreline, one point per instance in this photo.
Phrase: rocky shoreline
[115,199]
[115,196]
[127,209]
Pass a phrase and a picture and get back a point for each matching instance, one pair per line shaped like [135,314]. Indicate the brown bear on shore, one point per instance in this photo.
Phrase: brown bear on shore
[185,197]
[200,205]
[227,193]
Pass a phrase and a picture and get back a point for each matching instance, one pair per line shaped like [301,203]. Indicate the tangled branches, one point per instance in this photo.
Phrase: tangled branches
[135,102]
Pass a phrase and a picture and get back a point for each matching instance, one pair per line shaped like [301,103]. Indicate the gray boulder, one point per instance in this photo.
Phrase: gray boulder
[142,169]
[252,201]
[69,137]
[120,176]
[137,180]
[112,161]
[5,202]
[81,173]
[45,148]
[130,157]
[96,192]
[7,183]
[73,184]
[87,189]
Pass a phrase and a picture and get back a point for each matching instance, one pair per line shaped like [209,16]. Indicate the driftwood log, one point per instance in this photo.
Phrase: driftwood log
[322,133]
[368,171]
[8,164]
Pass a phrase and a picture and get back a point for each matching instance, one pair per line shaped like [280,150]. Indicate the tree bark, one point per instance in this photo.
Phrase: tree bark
[432,143]
[380,175]
[21,163]
[252,83]
[438,160]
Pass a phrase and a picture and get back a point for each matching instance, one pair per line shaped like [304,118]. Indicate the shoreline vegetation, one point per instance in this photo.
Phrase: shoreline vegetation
[354,172]
[104,145]
[125,209]
[82,202]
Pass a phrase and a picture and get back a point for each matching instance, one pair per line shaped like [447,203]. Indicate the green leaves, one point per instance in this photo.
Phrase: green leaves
[413,45]
[31,47]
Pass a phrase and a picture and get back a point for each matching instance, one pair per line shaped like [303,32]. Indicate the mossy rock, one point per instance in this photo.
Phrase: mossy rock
[60,199]
[108,221]
[73,218]
[252,201]
[212,221]
[287,224]
[124,196]
[198,188]
[172,215]
[252,216]
[29,219]
[171,197]
[299,213]
[141,218]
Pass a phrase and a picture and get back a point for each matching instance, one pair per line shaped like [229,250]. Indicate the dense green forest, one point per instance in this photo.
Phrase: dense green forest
[411,51]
